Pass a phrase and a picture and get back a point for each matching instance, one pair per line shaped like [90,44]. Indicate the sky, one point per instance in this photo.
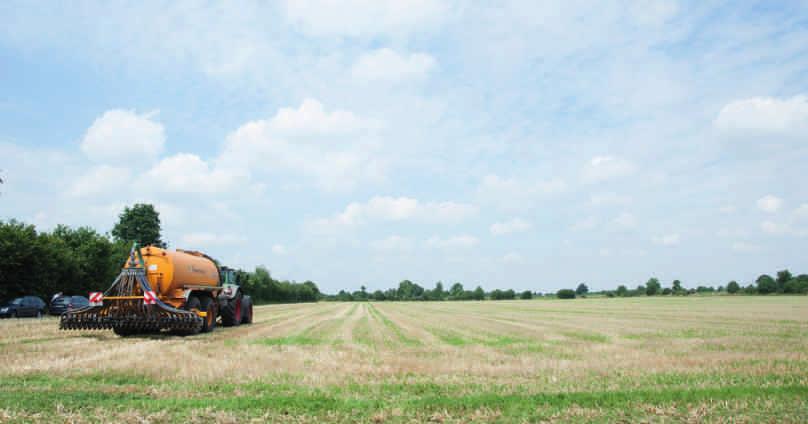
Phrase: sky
[514,144]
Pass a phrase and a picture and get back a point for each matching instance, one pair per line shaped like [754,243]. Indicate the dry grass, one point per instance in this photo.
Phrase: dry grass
[510,348]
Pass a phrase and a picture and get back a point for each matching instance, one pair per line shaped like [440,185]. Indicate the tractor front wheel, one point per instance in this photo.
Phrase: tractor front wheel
[231,311]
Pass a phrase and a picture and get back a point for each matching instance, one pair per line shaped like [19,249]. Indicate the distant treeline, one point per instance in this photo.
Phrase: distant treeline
[784,282]
[78,261]
[409,291]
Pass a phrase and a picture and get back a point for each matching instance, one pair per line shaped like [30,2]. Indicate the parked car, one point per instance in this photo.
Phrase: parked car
[27,306]
[63,304]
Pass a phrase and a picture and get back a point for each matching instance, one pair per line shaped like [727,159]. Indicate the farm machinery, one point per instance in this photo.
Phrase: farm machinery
[180,291]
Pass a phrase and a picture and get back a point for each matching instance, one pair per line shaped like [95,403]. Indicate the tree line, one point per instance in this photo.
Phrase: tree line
[784,282]
[409,291]
[76,261]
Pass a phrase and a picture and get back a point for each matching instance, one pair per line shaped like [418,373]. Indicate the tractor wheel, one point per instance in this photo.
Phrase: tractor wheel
[193,305]
[231,312]
[247,310]
[209,306]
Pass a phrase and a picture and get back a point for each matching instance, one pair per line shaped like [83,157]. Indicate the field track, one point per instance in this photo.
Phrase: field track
[716,358]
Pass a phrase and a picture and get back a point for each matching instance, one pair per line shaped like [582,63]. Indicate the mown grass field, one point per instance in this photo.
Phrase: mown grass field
[721,359]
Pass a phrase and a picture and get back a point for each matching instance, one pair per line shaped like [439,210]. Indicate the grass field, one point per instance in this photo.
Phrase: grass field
[723,359]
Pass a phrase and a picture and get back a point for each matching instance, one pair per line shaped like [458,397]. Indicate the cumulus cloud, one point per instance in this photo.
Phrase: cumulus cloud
[121,135]
[388,65]
[99,180]
[311,119]
[764,115]
[324,146]
[769,203]
[385,208]
[363,17]
[188,173]
[667,239]
[602,168]
[515,225]
[455,242]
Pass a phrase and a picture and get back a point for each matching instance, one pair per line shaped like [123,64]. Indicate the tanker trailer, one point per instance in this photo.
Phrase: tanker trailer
[180,291]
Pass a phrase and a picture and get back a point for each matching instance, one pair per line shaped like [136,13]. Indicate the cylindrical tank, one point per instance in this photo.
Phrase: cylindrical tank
[170,271]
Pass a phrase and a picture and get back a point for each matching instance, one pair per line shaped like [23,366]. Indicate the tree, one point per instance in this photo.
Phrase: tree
[766,284]
[565,294]
[652,287]
[582,289]
[783,277]
[622,291]
[640,290]
[140,223]
[677,287]
[526,295]
[733,287]
[478,294]
[456,292]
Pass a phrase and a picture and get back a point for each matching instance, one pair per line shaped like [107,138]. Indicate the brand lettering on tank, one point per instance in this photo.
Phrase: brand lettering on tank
[196,270]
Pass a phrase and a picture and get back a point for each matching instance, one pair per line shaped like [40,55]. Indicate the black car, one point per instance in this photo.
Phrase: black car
[63,304]
[28,306]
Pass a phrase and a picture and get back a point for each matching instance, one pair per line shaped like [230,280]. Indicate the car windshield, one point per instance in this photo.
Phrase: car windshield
[17,301]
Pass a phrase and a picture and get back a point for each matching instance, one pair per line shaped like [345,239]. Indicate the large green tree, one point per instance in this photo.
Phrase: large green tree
[766,284]
[652,287]
[140,223]
[582,289]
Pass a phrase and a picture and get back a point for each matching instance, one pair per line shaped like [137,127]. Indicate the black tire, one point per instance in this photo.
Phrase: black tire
[209,306]
[246,310]
[193,304]
[231,311]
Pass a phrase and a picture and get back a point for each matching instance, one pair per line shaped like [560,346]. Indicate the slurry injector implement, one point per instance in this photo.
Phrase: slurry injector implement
[181,291]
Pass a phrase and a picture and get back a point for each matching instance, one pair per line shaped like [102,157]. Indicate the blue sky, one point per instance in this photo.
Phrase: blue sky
[516,145]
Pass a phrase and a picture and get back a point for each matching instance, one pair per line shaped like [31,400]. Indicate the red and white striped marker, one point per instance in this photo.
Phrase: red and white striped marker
[149,298]
[96,299]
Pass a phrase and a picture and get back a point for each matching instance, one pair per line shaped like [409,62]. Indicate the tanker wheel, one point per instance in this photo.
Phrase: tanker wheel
[231,312]
[247,307]
[209,306]
[194,305]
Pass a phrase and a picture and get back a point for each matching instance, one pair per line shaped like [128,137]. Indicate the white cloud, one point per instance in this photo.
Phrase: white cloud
[667,239]
[392,243]
[384,208]
[387,65]
[764,115]
[455,242]
[603,168]
[513,258]
[515,225]
[802,211]
[192,240]
[99,180]
[327,147]
[769,203]
[364,17]
[188,173]
[123,135]
[311,119]
[278,249]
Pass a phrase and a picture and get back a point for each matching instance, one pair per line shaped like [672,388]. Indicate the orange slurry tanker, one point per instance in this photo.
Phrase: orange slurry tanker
[182,291]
